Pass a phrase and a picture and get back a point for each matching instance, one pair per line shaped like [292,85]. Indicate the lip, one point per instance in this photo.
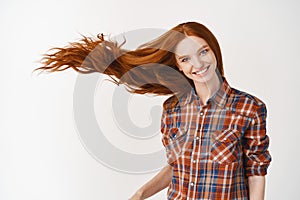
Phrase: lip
[194,73]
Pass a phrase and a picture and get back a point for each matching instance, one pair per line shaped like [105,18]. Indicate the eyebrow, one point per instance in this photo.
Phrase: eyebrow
[204,46]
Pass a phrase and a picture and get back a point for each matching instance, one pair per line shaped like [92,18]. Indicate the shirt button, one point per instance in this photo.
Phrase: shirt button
[194,161]
[201,113]
[197,138]
[192,184]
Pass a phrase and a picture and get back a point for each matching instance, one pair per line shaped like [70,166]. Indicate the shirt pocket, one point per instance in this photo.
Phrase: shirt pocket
[225,148]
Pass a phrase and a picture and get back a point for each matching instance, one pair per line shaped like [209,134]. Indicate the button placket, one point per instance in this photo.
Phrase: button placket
[197,142]
[194,155]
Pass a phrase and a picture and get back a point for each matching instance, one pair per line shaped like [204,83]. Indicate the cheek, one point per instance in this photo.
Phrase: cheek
[179,67]
[213,58]
[184,68]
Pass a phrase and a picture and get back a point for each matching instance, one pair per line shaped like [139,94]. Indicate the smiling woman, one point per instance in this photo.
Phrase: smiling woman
[198,64]
[214,135]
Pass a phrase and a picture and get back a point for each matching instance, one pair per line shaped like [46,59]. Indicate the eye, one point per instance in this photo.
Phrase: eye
[184,60]
[204,52]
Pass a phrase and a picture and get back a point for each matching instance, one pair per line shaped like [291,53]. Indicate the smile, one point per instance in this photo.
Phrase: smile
[201,71]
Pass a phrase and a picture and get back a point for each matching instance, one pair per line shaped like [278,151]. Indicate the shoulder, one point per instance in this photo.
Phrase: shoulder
[245,103]
[170,103]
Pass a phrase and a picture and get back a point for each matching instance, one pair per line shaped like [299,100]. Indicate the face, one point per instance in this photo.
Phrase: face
[195,59]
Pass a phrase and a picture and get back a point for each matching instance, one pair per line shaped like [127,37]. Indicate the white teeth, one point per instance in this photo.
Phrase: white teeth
[202,71]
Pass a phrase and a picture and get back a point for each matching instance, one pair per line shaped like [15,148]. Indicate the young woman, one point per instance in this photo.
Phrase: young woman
[214,135]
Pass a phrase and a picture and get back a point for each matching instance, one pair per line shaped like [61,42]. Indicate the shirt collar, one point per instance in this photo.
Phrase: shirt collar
[219,98]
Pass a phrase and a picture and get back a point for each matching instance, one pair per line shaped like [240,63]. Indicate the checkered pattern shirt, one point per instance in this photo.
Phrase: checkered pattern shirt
[213,148]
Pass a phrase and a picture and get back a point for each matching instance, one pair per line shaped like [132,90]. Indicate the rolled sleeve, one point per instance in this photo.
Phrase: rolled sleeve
[256,142]
[165,128]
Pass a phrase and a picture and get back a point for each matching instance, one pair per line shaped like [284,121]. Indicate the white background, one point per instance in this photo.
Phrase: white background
[41,156]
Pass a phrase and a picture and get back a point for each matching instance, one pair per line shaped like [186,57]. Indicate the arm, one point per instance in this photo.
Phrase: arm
[164,177]
[156,184]
[257,157]
[256,187]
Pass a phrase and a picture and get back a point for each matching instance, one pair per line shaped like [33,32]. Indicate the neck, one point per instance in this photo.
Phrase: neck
[205,90]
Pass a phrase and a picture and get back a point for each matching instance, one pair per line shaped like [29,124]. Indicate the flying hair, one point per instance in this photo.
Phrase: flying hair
[151,68]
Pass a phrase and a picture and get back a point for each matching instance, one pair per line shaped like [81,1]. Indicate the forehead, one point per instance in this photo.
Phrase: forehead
[189,45]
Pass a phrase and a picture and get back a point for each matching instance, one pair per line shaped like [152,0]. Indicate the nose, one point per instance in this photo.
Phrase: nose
[197,62]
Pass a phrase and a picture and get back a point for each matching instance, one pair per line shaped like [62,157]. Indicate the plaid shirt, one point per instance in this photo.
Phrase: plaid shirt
[214,148]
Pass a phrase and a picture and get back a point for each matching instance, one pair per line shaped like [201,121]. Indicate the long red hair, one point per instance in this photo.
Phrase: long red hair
[151,68]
